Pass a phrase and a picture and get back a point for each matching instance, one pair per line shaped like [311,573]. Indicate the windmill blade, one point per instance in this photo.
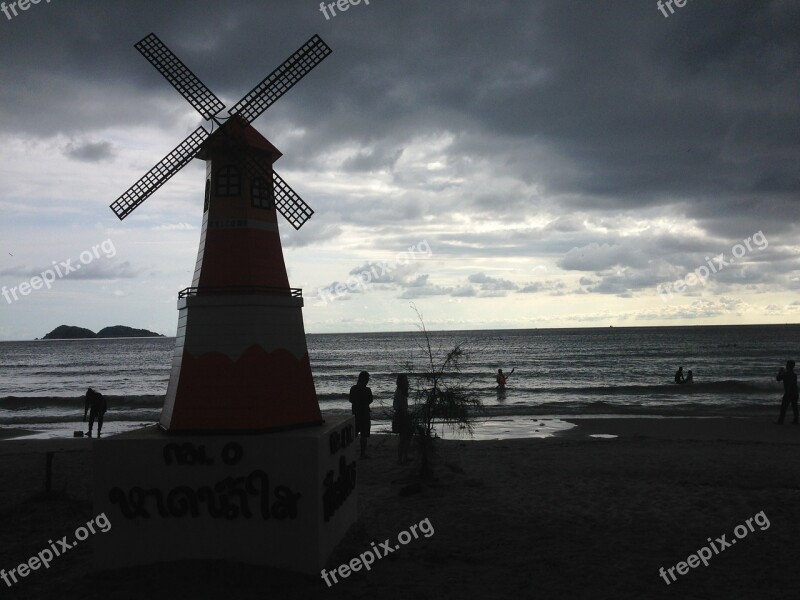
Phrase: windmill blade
[160,174]
[289,203]
[255,170]
[281,80]
[179,75]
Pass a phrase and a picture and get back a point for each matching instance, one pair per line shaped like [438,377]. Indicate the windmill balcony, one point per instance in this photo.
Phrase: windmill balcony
[239,290]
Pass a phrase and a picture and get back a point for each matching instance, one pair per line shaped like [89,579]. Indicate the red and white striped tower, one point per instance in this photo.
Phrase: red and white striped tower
[240,360]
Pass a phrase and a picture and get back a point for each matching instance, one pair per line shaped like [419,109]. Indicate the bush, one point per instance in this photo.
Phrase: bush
[440,399]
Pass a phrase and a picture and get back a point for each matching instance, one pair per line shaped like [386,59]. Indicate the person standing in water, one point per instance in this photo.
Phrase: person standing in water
[360,399]
[501,382]
[679,376]
[789,378]
[97,403]
[502,378]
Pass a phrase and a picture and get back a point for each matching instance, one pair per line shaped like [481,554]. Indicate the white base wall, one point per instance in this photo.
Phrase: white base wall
[283,499]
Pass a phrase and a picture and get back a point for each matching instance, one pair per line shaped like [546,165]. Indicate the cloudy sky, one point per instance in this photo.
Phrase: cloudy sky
[513,163]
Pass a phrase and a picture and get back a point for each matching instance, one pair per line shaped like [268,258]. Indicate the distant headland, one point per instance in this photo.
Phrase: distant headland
[69,332]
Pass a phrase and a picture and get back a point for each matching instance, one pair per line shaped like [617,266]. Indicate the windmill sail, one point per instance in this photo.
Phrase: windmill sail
[160,174]
[180,76]
[281,80]
[289,204]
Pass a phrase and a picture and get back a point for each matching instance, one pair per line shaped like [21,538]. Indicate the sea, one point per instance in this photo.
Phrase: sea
[557,374]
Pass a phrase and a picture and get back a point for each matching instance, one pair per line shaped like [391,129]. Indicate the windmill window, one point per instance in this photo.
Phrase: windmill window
[208,195]
[228,182]
[261,193]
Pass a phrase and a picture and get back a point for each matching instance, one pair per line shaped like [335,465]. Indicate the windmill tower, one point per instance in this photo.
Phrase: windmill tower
[240,361]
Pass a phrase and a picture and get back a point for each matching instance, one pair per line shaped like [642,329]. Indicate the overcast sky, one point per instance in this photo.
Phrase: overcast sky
[548,163]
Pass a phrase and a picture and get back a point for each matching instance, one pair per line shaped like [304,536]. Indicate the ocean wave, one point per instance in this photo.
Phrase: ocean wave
[602,408]
[563,409]
[114,402]
[32,420]
[692,409]
[705,388]
[730,386]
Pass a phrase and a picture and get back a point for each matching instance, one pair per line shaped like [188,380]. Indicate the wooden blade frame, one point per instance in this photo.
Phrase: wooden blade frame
[287,202]
[180,76]
[281,80]
[160,174]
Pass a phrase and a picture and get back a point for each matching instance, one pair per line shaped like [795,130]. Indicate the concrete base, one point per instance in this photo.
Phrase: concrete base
[283,499]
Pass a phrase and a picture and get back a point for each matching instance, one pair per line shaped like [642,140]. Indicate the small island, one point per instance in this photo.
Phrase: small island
[70,332]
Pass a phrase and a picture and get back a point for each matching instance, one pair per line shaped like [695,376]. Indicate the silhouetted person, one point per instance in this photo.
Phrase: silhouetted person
[401,421]
[501,382]
[679,376]
[361,398]
[96,407]
[789,379]
[689,377]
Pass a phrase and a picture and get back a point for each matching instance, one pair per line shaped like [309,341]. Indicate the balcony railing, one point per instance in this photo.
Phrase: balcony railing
[237,290]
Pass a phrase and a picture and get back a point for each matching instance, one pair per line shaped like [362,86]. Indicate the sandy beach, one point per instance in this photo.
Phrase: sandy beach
[572,516]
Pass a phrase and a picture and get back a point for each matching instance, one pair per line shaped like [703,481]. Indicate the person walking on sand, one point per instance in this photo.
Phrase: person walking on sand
[360,399]
[679,376]
[97,403]
[789,378]
[401,421]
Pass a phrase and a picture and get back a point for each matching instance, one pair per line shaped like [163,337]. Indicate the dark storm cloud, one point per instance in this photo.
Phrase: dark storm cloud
[493,284]
[100,270]
[597,257]
[313,231]
[107,271]
[698,309]
[423,289]
[91,152]
[557,107]
[477,285]
[553,287]
[372,160]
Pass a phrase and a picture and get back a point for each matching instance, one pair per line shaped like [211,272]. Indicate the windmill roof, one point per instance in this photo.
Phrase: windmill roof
[235,133]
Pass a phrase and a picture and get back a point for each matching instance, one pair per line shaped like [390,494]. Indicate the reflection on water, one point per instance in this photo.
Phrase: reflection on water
[498,429]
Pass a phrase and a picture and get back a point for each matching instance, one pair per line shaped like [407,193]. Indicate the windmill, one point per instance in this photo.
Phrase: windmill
[240,360]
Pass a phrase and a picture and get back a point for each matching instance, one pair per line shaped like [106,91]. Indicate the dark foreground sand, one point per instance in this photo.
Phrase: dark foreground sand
[570,517]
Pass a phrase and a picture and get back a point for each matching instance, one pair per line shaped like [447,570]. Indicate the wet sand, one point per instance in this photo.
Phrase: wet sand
[569,516]
[12,433]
